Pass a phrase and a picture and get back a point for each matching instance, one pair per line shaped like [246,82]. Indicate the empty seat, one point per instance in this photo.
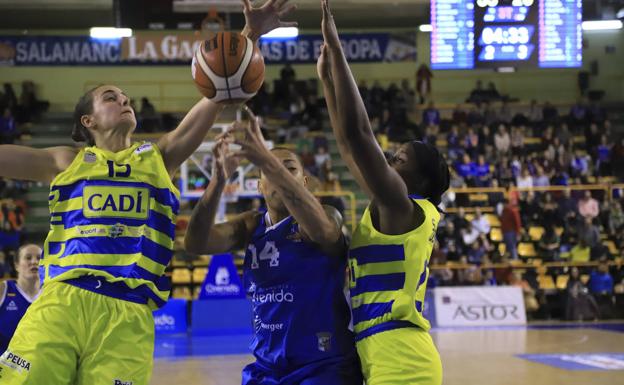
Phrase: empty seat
[536,233]
[181,275]
[526,250]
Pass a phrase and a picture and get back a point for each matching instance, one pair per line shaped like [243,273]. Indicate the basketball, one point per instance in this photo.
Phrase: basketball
[228,68]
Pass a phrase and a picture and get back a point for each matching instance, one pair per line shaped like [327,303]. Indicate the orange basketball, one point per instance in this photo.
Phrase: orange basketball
[228,68]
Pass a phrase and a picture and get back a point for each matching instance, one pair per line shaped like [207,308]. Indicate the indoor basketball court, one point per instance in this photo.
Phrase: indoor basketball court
[206,185]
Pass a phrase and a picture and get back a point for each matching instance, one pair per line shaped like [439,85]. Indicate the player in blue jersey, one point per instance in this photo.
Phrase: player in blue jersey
[112,225]
[390,249]
[17,295]
[294,269]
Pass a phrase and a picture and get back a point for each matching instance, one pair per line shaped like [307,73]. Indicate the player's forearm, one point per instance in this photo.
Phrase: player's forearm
[201,235]
[179,144]
[301,204]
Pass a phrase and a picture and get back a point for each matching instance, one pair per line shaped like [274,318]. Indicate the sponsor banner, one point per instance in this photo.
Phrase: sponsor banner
[171,318]
[222,280]
[479,306]
[164,48]
[583,361]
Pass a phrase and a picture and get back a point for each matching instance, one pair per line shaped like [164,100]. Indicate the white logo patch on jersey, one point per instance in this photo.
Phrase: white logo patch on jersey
[12,306]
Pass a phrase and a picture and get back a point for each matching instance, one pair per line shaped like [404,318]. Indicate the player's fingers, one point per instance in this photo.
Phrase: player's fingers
[246,5]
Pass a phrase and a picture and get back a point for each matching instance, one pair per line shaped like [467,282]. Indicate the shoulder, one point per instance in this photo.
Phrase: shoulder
[3,290]
[334,214]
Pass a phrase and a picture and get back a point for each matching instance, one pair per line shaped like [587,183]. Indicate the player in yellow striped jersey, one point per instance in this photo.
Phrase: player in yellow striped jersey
[113,207]
[390,249]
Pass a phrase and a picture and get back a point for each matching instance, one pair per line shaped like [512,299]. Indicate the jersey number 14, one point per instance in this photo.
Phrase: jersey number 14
[269,252]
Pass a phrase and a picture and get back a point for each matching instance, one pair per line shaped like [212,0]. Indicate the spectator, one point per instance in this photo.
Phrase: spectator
[489,279]
[579,166]
[482,172]
[535,113]
[453,143]
[578,113]
[478,94]
[431,115]
[603,164]
[548,209]
[481,223]
[505,115]
[541,179]
[567,205]
[470,235]
[580,305]
[489,114]
[517,140]
[526,180]
[511,226]
[588,206]
[308,159]
[476,252]
[592,138]
[321,157]
[600,281]
[459,115]
[466,169]
[287,74]
[474,117]
[549,244]
[486,141]
[491,92]
[615,219]
[549,113]
[471,142]
[8,128]
[150,120]
[423,82]
[580,252]
[589,233]
[530,300]
[9,99]
[502,141]
[564,134]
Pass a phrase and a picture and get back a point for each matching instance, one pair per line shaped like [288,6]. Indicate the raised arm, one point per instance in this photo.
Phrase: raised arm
[202,235]
[180,143]
[319,224]
[353,131]
[39,165]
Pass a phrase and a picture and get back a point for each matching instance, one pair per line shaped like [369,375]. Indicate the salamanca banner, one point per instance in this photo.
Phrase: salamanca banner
[162,48]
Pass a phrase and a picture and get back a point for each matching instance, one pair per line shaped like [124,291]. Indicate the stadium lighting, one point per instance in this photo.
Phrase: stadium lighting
[602,25]
[109,32]
[425,28]
[282,33]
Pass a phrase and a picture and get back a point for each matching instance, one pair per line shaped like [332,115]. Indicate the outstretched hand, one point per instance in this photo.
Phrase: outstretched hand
[264,19]
[224,161]
[328,27]
[252,146]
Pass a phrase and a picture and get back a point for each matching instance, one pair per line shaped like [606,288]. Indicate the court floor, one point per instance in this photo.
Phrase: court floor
[571,354]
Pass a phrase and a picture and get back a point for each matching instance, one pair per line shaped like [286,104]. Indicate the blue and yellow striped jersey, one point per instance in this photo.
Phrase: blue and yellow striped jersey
[112,224]
[388,274]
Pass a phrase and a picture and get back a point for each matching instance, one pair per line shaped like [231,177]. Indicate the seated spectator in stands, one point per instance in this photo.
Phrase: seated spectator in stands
[491,93]
[8,127]
[603,161]
[469,235]
[431,115]
[548,209]
[564,134]
[511,226]
[529,208]
[592,138]
[478,94]
[496,199]
[541,179]
[589,233]
[321,157]
[150,120]
[505,115]
[615,219]
[489,114]
[489,279]
[580,252]
[466,169]
[431,135]
[550,113]
[579,166]
[308,159]
[460,116]
[453,143]
[486,141]
[482,172]
[502,140]
[595,113]
[578,113]
[580,305]
[548,246]
[535,113]
[30,107]
[588,207]
[471,143]
[8,99]
[481,223]
[517,140]
[474,117]
[600,281]
[525,180]
[476,252]
[531,303]
[567,205]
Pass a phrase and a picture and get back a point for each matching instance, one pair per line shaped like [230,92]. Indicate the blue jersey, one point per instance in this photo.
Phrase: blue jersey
[301,314]
[12,309]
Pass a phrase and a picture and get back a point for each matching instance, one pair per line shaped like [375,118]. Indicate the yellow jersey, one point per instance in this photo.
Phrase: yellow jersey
[388,274]
[112,224]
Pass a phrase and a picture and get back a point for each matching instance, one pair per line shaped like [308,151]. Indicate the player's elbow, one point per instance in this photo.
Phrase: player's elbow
[193,245]
[326,235]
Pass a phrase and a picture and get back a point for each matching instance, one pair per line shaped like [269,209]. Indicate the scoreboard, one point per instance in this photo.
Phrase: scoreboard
[477,34]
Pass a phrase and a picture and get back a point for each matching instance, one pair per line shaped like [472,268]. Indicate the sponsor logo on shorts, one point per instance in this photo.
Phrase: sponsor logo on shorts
[14,361]
[275,296]
[120,382]
[324,341]
[260,326]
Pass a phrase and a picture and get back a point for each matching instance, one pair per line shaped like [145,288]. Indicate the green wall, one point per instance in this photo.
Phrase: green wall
[171,87]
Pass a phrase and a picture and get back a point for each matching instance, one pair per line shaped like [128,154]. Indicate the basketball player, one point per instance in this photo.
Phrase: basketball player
[113,208]
[17,295]
[293,271]
[390,249]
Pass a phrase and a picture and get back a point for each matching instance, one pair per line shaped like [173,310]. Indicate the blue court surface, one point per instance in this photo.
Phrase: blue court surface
[586,361]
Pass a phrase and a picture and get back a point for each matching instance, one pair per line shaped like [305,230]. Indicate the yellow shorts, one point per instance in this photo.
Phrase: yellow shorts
[405,356]
[73,336]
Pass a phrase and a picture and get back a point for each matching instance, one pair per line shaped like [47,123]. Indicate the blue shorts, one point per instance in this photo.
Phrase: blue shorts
[337,371]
